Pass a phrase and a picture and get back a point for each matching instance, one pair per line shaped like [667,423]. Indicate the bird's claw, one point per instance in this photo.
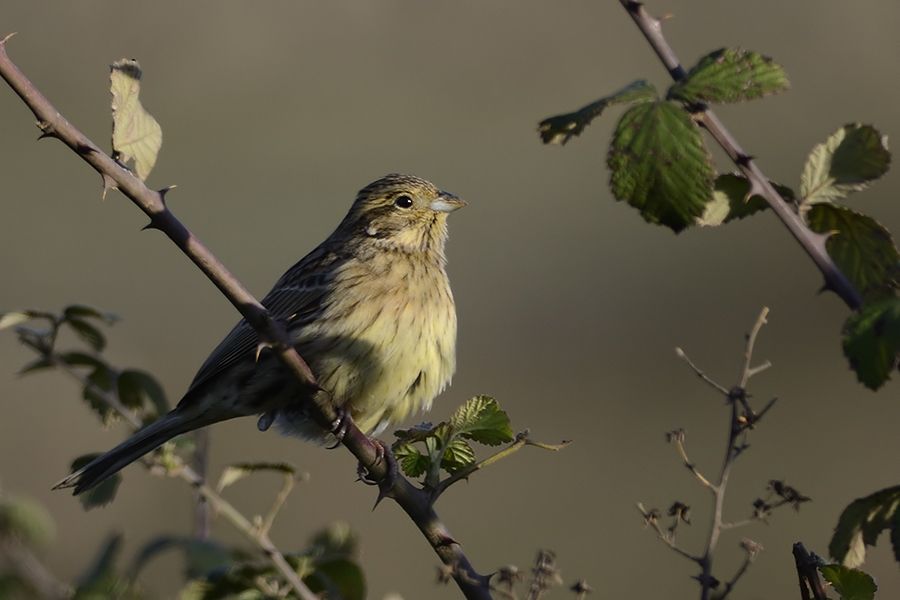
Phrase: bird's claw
[339,427]
[385,484]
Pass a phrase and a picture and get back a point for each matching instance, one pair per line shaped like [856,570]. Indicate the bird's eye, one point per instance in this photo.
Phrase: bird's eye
[403,201]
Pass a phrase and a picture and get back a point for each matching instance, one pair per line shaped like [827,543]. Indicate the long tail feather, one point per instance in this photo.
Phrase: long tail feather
[139,444]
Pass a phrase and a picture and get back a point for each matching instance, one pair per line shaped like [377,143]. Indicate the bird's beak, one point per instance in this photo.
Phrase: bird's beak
[447,203]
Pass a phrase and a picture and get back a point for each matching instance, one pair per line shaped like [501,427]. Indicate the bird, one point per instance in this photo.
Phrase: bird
[370,310]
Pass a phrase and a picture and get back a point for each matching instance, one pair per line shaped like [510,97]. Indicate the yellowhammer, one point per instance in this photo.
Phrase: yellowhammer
[370,310]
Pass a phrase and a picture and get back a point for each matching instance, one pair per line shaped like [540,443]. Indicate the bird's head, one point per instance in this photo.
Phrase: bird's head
[403,213]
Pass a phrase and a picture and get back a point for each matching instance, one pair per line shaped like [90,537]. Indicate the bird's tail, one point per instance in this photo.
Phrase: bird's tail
[139,444]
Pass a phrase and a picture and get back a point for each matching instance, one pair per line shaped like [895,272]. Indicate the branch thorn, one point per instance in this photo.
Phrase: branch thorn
[6,39]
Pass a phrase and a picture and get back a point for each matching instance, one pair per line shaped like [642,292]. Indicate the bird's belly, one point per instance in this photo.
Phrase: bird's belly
[386,357]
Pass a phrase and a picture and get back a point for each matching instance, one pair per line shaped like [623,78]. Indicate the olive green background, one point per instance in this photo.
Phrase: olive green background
[275,113]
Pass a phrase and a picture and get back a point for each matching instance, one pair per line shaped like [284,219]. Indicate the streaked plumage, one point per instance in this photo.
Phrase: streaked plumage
[370,310]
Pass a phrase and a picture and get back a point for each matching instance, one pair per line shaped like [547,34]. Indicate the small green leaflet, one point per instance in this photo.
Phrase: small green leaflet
[872,341]
[862,522]
[848,161]
[562,128]
[851,584]
[660,165]
[136,135]
[730,201]
[481,419]
[413,462]
[730,75]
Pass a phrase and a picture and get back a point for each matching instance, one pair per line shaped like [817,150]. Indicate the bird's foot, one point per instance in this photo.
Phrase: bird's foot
[339,427]
[383,454]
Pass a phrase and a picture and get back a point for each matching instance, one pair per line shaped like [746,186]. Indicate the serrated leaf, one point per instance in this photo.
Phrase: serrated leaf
[731,75]
[25,520]
[730,201]
[861,248]
[417,433]
[848,161]
[87,332]
[37,365]
[80,311]
[862,522]
[481,419]
[872,341]
[99,381]
[13,318]
[851,584]
[659,164]
[411,460]
[234,473]
[136,134]
[457,455]
[141,390]
[102,494]
[561,128]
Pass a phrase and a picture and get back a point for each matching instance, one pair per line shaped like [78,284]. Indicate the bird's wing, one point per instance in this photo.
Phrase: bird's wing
[296,297]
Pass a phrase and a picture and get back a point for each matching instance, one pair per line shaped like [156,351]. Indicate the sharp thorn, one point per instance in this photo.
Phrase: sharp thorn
[162,193]
[6,39]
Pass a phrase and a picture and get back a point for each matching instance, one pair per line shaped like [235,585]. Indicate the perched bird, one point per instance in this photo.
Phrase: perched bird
[371,312]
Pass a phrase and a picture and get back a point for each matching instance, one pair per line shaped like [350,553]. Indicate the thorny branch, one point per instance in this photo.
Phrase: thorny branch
[813,243]
[415,502]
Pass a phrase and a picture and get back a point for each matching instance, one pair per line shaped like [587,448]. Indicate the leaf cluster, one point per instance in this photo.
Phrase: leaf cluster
[660,165]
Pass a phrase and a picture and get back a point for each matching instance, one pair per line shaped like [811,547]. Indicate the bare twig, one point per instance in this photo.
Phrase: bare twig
[813,243]
[748,371]
[520,442]
[415,502]
[30,569]
[652,520]
[702,374]
[677,438]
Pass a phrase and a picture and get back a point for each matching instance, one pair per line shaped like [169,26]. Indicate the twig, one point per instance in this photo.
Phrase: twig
[31,570]
[200,464]
[651,520]
[747,372]
[813,243]
[677,438]
[729,585]
[701,374]
[415,502]
[811,587]
[279,501]
[520,442]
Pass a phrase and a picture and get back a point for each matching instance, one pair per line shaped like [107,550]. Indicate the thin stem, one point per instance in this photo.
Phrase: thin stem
[729,585]
[747,372]
[279,501]
[520,442]
[415,502]
[664,536]
[26,565]
[811,242]
[702,374]
[678,441]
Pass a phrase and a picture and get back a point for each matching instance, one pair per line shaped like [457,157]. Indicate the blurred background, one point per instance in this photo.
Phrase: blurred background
[274,114]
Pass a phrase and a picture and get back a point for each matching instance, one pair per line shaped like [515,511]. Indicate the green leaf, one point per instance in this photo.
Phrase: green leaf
[862,249]
[234,473]
[731,75]
[411,460]
[340,578]
[851,584]
[13,318]
[87,332]
[37,365]
[102,494]
[730,201]
[100,381]
[101,581]
[201,556]
[872,341]
[862,522]
[25,520]
[337,539]
[80,311]
[561,128]
[659,164]
[141,390]
[136,134]
[457,455]
[417,433]
[848,161]
[481,419]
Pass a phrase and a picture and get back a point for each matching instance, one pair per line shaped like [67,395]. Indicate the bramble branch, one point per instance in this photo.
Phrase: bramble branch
[415,502]
[813,243]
